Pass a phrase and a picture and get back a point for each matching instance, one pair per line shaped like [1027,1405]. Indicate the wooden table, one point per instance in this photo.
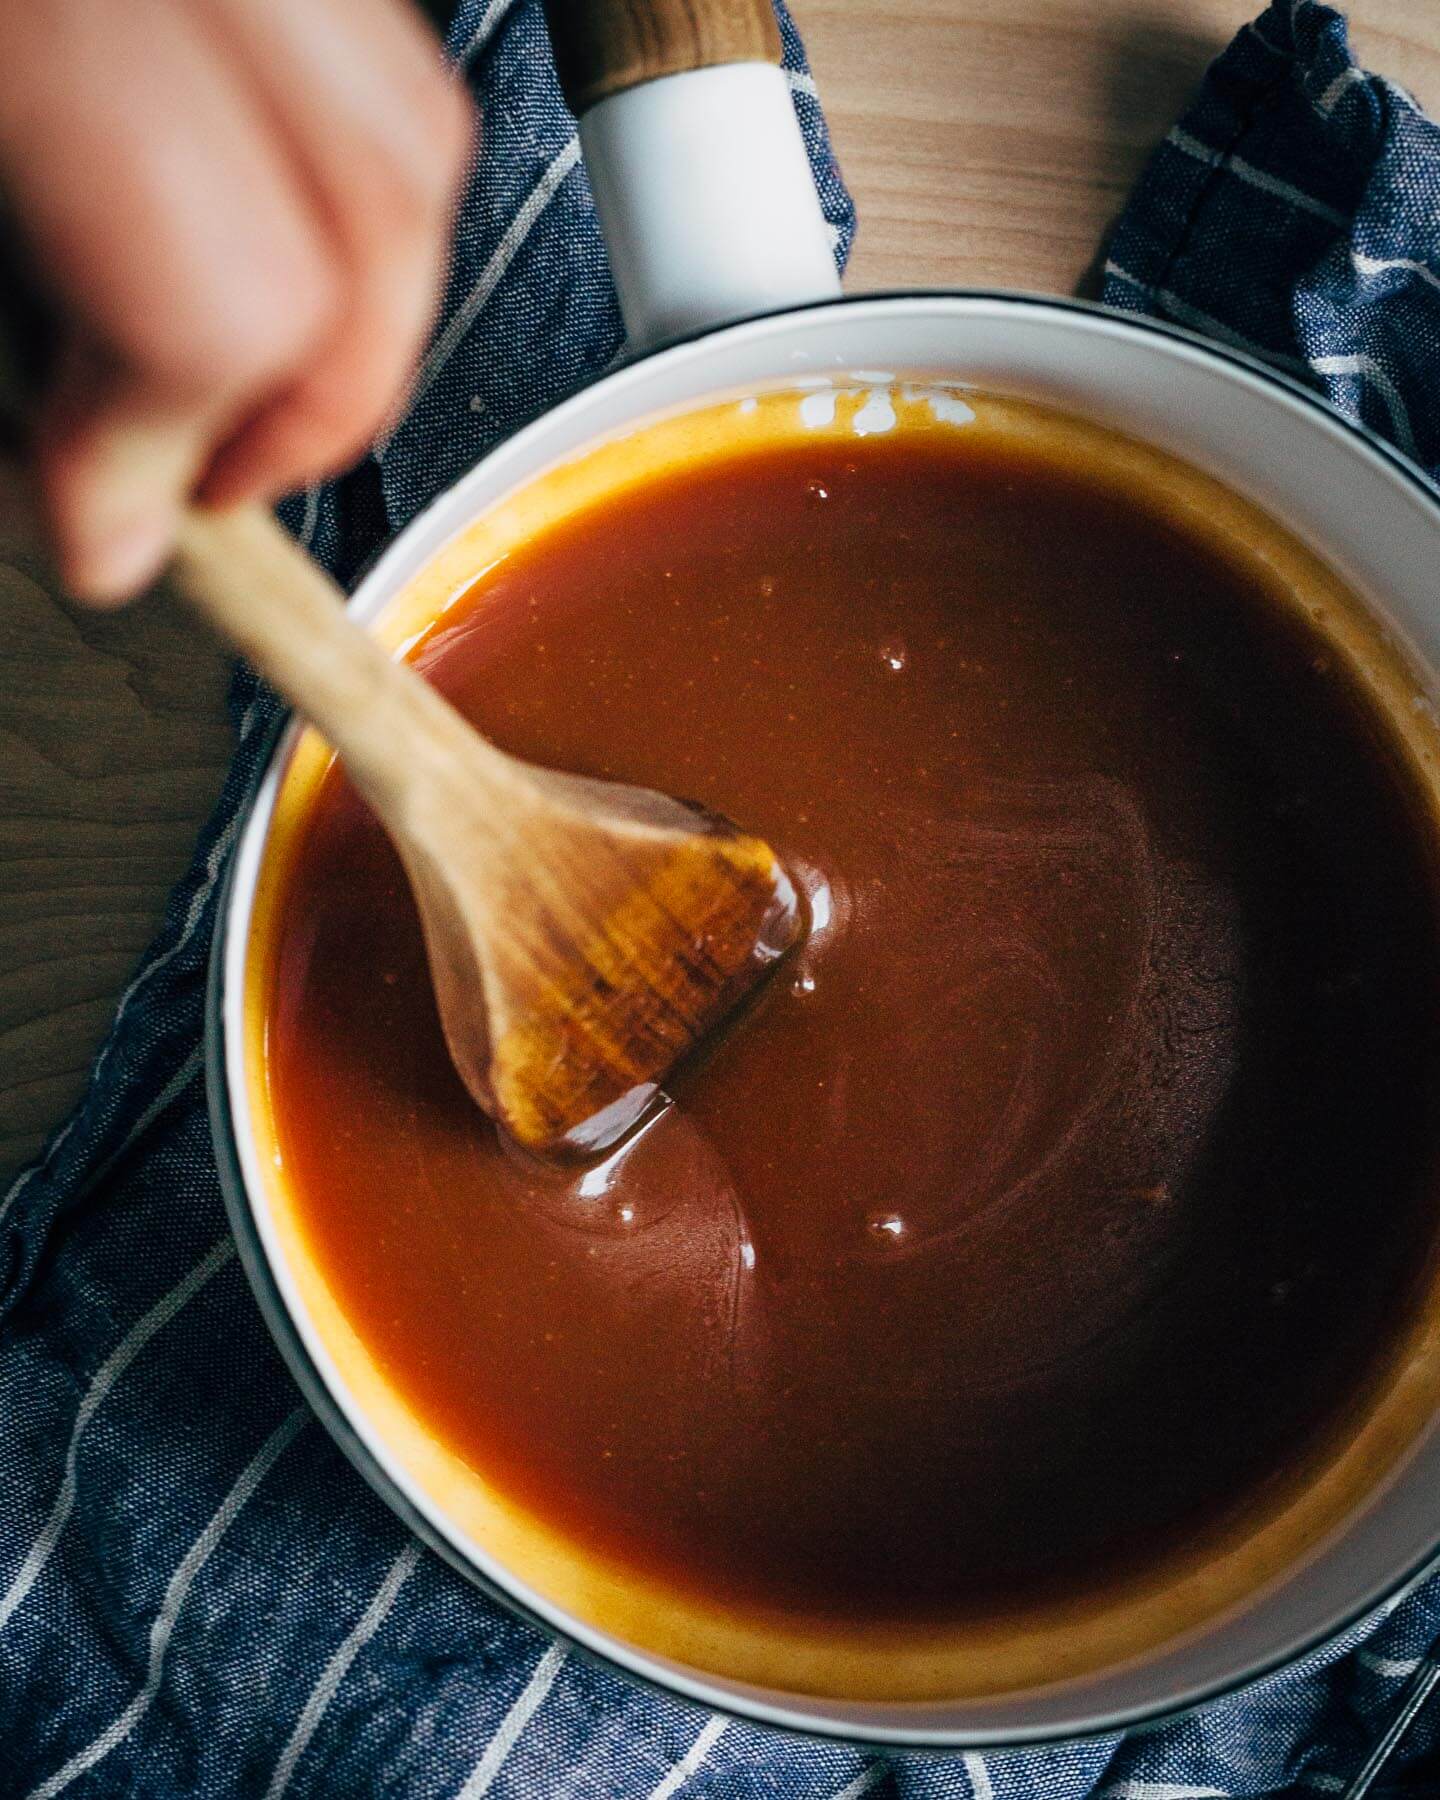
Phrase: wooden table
[988,142]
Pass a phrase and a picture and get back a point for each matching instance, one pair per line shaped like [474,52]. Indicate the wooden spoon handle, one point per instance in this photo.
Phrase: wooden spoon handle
[244,574]
[603,47]
[268,598]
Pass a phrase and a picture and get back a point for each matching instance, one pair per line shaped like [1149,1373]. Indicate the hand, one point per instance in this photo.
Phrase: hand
[241,210]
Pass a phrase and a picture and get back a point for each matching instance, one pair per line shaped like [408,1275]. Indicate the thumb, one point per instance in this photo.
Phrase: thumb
[116,461]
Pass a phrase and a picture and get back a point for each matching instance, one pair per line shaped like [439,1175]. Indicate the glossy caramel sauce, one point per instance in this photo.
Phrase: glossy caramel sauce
[1062,1202]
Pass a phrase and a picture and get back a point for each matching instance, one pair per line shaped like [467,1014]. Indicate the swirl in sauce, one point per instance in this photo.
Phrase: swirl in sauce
[1056,1200]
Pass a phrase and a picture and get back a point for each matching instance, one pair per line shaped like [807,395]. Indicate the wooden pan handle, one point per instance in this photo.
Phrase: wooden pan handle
[603,47]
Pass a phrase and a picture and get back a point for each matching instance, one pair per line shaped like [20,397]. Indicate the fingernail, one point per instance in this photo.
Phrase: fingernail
[116,565]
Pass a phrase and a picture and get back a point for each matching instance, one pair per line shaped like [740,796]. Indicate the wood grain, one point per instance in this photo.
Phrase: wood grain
[603,47]
[988,142]
[112,748]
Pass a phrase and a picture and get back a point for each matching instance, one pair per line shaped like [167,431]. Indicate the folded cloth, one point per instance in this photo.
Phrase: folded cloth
[1294,213]
[197,1594]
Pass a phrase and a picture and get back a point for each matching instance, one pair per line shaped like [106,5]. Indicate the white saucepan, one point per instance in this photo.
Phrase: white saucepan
[727,283]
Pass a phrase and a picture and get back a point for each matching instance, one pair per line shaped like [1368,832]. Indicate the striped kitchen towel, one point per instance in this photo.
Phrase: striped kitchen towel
[1294,213]
[197,1595]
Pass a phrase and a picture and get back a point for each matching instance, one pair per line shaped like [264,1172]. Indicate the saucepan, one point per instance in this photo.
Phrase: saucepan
[727,283]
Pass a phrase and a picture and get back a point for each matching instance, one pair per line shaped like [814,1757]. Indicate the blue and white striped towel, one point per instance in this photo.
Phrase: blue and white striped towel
[197,1595]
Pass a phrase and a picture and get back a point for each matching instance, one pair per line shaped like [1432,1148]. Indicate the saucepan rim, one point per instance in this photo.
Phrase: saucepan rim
[788,1711]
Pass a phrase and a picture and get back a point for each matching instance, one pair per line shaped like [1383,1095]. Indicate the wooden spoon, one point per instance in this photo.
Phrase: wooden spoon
[582,936]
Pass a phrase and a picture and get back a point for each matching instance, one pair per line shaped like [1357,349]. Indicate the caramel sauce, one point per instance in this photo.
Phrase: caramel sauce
[1060,1202]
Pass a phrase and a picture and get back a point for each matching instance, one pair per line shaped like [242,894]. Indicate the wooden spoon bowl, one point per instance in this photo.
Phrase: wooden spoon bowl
[583,937]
